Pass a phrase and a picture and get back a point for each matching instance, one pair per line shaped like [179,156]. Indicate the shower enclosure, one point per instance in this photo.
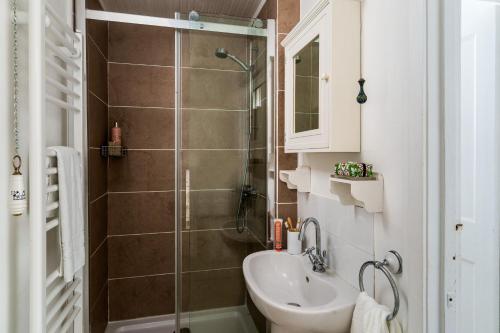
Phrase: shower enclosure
[223,131]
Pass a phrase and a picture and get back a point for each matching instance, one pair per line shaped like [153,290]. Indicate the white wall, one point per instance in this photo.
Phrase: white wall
[393,53]
[14,231]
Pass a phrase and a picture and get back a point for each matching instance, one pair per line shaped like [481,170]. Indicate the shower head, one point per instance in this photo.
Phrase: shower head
[222,53]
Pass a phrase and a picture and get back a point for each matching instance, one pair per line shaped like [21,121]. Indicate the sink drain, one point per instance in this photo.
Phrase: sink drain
[293,304]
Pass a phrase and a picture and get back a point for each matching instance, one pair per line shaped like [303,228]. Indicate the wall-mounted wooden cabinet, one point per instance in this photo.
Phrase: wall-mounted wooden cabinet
[322,67]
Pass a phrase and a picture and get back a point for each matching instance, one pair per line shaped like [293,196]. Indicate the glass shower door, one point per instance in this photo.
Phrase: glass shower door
[214,125]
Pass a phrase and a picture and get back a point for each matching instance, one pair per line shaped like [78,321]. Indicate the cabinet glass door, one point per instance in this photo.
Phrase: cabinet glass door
[306,111]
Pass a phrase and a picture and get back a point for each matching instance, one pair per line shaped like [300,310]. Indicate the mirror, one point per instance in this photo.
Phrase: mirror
[306,111]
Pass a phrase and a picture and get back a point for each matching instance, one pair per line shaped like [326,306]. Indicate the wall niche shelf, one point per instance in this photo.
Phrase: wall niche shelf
[364,193]
[299,179]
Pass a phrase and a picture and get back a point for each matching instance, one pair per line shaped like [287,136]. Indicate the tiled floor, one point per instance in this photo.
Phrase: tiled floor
[224,320]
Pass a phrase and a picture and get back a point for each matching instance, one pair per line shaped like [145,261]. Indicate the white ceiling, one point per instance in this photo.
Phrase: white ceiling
[167,8]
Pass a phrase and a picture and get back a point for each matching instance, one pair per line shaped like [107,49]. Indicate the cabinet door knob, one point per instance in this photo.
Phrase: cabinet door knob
[325,77]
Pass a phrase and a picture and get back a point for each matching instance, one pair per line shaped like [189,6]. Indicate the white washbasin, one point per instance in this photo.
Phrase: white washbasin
[296,299]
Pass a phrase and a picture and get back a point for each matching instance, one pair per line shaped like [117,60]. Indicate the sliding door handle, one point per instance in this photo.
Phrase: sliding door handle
[188,199]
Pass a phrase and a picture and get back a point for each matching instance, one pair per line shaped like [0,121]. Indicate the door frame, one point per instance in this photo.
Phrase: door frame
[442,127]
[442,189]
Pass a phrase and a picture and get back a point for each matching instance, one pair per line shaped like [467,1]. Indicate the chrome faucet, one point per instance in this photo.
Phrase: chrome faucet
[316,256]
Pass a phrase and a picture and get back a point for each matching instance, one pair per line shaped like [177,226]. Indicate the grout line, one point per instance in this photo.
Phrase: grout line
[213,69]
[173,109]
[212,270]
[92,306]
[170,66]
[98,247]
[143,234]
[89,36]
[93,94]
[137,192]
[144,65]
[164,274]
[169,232]
[169,191]
[98,198]
[210,189]
[255,237]
[142,107]
[214,110]
[139,276]
[213,149]
[183,149]
[286,203]
[202,230]
[148,149]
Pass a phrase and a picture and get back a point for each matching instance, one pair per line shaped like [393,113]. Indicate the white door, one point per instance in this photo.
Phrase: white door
[473,145]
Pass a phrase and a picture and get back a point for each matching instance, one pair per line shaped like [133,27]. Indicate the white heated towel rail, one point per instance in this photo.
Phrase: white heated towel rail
[55,82]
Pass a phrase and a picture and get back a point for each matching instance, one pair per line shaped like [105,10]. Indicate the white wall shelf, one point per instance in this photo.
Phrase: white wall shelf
[364,193]
[299,179]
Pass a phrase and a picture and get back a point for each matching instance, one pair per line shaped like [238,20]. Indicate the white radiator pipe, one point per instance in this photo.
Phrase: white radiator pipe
[37,186]
[6,251]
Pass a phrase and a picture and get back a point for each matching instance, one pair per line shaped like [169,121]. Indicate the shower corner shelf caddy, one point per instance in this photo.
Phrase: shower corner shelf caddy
[368,194]
[113,151]
[299,179]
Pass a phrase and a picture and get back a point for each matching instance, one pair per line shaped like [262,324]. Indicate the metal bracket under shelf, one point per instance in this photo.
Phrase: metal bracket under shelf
[113,151]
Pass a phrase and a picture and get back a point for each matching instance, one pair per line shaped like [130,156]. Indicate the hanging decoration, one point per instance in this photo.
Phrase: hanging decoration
[18,202]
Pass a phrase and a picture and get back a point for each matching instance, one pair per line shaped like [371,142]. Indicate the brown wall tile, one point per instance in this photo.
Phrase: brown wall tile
[138,255]
[98,273]
[213,289]
[97,125]
[269,10]
[99,313]
[281,63]
[257,218]
[144,128]
[98,222]
[97,174]
[214,89]
[134,213]
[287,210]
[213,169]
[97,70]
[288,15]
[285,194]
[258,318]
[141,297]
[213,209]
[198,49]
[142,170]
[98,32]
[141,44]
[213,129]
[93,4]
[135,85]
[212,249]
[281,118]
[286,161]
[258,170]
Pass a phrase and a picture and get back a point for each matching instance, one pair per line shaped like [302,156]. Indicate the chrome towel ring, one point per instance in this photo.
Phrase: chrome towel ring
[391,263]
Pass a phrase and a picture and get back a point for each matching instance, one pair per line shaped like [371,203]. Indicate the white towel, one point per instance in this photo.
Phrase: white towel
[71,231]
[370,317]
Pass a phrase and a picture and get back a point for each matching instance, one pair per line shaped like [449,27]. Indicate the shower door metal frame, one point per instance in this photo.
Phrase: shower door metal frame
[175,23]
[179,25]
